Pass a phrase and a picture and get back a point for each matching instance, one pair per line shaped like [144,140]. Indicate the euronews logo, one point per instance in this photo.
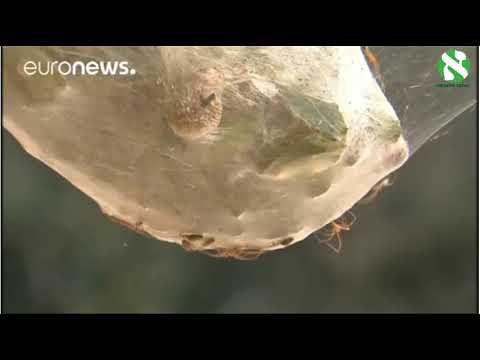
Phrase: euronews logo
[453,67]
[93,68]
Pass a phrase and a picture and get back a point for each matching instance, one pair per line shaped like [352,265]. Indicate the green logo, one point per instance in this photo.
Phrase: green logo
[453,67]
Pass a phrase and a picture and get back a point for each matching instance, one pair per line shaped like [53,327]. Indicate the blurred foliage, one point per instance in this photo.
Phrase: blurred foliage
[413,249]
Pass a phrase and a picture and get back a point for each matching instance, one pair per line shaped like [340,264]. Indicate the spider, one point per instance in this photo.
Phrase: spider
[337,226]
[374,65]
[376,189]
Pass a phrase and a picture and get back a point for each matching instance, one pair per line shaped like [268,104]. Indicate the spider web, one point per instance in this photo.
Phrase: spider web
[411,80]
[305,133]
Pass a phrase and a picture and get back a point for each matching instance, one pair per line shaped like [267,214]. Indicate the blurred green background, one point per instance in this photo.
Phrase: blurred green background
[413,249]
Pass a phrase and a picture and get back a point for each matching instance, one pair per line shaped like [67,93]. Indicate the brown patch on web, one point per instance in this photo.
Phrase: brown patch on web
[198,107]
[196,242]
[137,227]
[235,253]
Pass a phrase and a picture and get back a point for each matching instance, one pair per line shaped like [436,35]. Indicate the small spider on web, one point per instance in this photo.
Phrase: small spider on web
[332,235]
[377,189]
[374,64]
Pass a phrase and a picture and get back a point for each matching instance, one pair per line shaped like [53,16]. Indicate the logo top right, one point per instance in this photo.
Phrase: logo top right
[454,67]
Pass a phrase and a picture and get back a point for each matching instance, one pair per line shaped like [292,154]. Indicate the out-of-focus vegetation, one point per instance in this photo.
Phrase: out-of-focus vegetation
[413,249]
